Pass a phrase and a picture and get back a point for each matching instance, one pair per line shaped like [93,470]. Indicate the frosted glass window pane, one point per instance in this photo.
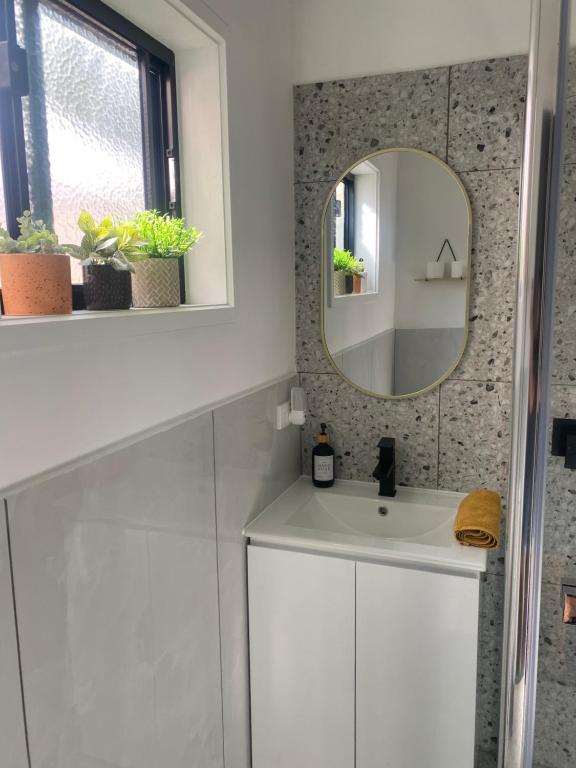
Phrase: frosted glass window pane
[2,202]
[93,120]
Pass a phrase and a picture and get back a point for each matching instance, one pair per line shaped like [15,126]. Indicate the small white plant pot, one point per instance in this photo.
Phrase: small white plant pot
[458,270]
[434,270]
[339,283]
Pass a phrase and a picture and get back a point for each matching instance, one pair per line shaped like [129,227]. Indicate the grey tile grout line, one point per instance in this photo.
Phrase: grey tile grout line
[463,381]
[461,171]
[479,381]
[564,386]
[150,621]
[438,435]
[217,547]
[315,181]
[355,663]
[301,440]
[249,678]
[548,582]
[17,631]
[448,114]
[500,169]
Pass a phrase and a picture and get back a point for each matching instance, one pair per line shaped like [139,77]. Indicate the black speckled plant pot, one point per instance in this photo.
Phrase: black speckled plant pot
[106,288]
[349,283]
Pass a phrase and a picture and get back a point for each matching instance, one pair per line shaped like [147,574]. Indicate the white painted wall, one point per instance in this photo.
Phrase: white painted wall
[63,401]
[367,214]
[431,207]
[338,39]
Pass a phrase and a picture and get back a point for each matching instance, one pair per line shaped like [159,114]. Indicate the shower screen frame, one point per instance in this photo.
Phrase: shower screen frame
[538,227]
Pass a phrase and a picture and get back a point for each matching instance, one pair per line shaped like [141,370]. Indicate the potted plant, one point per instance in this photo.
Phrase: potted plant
[107,253]
[35,271]
[358,275]
[156,281]
[342,260]
[348,272]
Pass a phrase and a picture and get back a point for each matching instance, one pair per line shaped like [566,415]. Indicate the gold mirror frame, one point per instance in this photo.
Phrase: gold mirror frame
[323,276]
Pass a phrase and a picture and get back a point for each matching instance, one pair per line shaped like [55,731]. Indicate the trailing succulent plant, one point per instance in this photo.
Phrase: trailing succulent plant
[164,236]
[35,237]
[109,242]
[344,261]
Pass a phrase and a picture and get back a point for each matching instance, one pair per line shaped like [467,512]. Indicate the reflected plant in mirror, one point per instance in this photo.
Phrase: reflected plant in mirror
[395,273]
[348,272]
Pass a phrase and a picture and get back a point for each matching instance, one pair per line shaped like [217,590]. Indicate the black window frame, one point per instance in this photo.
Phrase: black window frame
[157,69]
[349,213]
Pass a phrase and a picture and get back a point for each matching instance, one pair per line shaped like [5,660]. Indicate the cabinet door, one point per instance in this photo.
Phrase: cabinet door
[301,614]
[416,668]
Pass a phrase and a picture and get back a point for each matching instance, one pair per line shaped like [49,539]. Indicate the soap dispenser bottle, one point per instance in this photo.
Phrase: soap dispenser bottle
[323,461]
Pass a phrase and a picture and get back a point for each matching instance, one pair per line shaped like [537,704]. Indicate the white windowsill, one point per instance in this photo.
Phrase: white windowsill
[366,294]
[20,333]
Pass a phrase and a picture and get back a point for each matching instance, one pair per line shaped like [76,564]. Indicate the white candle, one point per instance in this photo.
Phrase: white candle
[434,270]
[458,269]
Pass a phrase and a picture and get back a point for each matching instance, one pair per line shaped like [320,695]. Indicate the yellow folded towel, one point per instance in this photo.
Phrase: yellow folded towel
[477,523]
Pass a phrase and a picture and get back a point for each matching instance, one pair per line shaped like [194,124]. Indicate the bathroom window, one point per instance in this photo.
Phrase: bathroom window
[344,234]
[93,124]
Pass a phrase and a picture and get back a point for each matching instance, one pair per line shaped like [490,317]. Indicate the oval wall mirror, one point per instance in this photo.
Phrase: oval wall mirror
[396,232]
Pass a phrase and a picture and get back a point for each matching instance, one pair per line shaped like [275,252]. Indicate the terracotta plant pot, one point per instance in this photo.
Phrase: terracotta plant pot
[156,283]
[339,283]
[106,287]
[358,280]
[36,284]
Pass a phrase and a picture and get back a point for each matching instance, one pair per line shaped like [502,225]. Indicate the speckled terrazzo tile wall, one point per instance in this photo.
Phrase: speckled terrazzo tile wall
[555,737]
[456,437]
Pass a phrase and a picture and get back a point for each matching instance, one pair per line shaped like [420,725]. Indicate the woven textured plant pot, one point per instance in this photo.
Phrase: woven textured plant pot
[339,283]
[106,287]
[36,284]
[156,283]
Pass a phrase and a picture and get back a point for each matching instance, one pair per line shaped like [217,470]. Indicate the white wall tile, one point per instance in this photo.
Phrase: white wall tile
[116,588]
[254,464]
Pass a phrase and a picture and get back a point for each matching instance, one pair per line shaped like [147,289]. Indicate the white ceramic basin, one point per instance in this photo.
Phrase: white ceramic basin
[357,516]
[352,520]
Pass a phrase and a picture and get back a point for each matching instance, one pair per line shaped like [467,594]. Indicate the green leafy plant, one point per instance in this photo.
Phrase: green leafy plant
[164,236]
[109,242]
[35,237]
[341,260]
[357,268]
[344,261]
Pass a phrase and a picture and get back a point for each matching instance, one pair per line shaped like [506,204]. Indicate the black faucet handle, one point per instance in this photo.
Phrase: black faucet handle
[385,472]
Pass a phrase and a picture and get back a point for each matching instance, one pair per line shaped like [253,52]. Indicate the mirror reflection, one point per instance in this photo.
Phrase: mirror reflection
[396,235]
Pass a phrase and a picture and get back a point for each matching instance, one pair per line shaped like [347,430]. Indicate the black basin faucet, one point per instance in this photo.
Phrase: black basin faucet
[385,472]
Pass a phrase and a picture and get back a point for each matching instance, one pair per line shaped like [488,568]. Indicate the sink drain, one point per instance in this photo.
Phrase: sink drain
[383,511]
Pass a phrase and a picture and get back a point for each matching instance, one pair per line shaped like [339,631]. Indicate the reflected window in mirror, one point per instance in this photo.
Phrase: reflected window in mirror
[354,237]
[344,231]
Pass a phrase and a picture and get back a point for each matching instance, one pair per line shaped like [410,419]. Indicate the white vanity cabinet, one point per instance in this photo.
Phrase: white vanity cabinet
[301,659]
[416,649]
[360,665]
